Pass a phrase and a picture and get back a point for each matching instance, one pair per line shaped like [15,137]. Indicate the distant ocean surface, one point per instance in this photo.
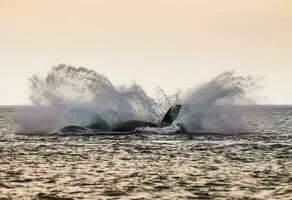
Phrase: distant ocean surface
[254,165]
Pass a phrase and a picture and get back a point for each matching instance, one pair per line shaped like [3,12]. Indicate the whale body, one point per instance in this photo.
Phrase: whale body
[99,124]
[131,125]
[170,116]
[85,117]
[73,129]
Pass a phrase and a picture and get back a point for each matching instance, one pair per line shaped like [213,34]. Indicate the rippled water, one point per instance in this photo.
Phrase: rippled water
[256,165]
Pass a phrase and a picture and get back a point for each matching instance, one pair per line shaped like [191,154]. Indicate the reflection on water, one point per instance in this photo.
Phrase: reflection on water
[148,166]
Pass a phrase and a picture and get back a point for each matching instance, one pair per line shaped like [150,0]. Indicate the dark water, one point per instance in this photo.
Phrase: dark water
[257,165]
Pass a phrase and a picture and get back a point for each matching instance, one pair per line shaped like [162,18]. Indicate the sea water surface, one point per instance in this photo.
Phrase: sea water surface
[255,165]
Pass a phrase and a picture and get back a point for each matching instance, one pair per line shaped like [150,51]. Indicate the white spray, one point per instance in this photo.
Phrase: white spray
[74,96]
[209,107]
[66,88]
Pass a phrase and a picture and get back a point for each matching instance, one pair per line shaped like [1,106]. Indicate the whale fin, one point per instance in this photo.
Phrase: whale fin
[170,116]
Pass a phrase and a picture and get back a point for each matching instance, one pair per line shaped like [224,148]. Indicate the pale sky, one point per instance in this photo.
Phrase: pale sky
[168,43]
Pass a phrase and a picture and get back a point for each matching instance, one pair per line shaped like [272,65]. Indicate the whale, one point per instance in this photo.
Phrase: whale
[131,125]
[99,124]
[171,115]
[73,129]
[128,126]
[86,118]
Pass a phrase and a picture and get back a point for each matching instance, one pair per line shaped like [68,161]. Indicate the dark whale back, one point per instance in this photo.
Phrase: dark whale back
[85,117]
[170,116]
[73,129]
[129,126]
[99,124]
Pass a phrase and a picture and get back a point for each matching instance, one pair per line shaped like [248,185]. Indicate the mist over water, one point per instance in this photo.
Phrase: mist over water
[75,96]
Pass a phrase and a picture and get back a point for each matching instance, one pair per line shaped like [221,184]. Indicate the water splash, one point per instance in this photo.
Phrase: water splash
[76,96]
[202,107]
[66,88]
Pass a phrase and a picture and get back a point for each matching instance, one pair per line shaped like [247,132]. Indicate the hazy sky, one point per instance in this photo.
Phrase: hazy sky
[168,43]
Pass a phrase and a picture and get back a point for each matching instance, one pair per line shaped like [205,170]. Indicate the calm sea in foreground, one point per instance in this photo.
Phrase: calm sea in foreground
[256,165]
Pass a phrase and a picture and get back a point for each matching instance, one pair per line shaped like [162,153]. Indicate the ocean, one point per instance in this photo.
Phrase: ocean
[256,164]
